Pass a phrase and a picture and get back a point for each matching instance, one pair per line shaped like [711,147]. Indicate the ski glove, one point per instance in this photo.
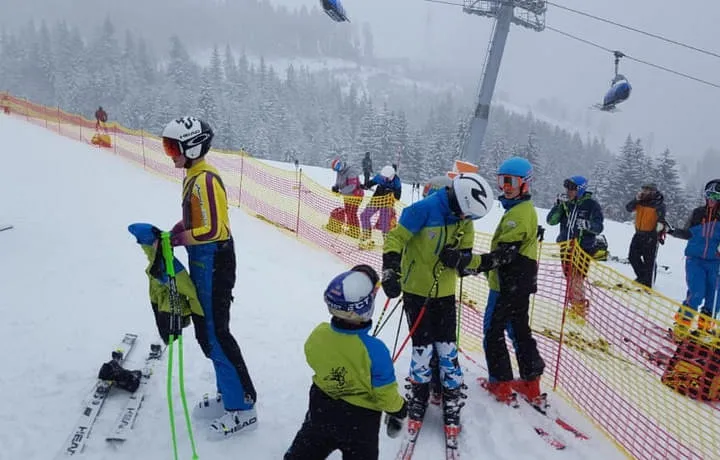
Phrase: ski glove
[335,189]
[391,275]
[455,258]
[395,421]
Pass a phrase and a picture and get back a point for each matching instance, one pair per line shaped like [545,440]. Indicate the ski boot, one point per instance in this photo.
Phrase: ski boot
[123,378]
[530,391]
[502,391]
[452,403]
[417,399]
[232,422]
[209,407]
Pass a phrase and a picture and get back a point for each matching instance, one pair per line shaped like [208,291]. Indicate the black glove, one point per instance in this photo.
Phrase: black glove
[123,378]
[455,258]
[394,421]
[391,283]
[335,189]
[391,274]
[541,233]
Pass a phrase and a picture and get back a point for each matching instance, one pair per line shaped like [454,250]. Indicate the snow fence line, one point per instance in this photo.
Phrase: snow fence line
[600,361]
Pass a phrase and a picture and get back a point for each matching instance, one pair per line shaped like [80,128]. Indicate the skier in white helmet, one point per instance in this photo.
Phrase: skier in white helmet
[411,266]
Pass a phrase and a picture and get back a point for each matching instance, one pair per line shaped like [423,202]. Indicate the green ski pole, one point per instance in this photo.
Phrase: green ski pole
[175,332]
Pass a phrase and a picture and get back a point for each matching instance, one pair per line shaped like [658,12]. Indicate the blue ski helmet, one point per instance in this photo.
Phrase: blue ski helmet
[351,295]
[518,167]
[578,183]
[515,171]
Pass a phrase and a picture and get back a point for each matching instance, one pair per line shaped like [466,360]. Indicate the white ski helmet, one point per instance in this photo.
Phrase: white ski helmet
[388,172]
[473,195]
[187,136]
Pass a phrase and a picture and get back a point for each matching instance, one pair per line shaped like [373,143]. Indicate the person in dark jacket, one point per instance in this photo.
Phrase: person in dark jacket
[650,228]
[702,262]
[367,168]
[100,118]
[581,219]
[388,189]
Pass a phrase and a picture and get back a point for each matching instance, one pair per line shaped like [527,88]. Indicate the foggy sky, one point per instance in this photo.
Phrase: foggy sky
[664,110]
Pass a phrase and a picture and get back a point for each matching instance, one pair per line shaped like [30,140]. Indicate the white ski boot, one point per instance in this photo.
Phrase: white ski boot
[209,407]
[233,422]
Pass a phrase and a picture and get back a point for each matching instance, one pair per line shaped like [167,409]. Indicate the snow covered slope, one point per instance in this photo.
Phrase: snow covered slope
[72,282]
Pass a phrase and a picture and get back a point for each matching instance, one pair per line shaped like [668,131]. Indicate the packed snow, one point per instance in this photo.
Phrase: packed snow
[72,282]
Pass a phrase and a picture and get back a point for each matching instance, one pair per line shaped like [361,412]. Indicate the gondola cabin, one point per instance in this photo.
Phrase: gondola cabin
[335,10]
[619,91]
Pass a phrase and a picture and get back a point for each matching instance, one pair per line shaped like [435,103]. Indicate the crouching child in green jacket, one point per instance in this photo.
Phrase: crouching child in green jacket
[354,381]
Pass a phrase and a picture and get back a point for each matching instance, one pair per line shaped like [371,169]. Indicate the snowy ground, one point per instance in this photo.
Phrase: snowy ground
[72,282]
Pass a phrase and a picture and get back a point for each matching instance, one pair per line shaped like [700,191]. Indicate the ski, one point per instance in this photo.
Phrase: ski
[550,414]
[5,227]
[94,402]
[451,442]
[127,416]
[660,357]
[544,434]
[408,445]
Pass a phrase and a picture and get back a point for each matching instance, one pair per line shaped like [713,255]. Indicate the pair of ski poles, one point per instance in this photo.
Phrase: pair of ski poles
[175,333]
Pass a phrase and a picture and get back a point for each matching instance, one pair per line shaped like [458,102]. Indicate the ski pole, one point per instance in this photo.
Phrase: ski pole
[387,302]
[175,332]
[392,311]
[416,323]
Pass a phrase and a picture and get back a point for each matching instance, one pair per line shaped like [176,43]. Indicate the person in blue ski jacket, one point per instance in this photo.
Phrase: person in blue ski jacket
[388,189]
[581,219]
[702,262]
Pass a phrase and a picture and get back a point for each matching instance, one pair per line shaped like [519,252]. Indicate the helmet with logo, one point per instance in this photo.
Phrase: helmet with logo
[187,136]
[337,164]
[351,295]
[578,183]
[471,196]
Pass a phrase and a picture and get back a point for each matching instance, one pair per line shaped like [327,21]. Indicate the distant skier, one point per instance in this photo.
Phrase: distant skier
[101,118]
[411,266]
[388,189]
[650,229]
[205,232]
[354,379]
[348,185]
[581,219]
[512,267]
[702,263]
[367,168]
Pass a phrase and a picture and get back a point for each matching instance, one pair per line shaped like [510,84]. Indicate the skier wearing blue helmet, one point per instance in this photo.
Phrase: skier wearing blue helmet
[581,220]
[512,277]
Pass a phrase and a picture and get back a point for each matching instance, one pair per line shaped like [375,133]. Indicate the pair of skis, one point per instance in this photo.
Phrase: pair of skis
[94,402]
[538,417]
[413,432]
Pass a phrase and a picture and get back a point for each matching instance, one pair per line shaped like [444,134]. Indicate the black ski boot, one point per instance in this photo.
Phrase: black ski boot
[452,403]
[417,399]
[123,378]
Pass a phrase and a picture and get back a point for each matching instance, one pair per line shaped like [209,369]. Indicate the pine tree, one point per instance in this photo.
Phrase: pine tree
[668,181]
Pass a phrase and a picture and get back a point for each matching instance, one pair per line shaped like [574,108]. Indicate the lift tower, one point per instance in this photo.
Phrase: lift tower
[525,13]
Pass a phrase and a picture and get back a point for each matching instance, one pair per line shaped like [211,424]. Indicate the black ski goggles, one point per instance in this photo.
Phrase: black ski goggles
[569,185]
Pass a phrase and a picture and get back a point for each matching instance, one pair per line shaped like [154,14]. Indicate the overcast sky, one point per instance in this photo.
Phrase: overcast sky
[664,109]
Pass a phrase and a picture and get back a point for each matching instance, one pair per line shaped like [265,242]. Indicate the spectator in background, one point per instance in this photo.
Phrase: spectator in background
[650,228]
[367,168]
[348,185]
[100,118]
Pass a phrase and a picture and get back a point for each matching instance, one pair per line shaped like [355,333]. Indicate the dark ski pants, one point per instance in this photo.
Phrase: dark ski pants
[212,270]
[643,251]
[510,312]
[434,337]
[332,425]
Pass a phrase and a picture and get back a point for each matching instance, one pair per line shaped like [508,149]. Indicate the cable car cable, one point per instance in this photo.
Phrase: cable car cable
[633,29]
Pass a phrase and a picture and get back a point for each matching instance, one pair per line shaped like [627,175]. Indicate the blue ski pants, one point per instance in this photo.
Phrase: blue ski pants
[212,270]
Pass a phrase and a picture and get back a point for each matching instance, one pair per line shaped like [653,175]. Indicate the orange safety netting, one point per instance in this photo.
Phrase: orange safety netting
[607,341]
